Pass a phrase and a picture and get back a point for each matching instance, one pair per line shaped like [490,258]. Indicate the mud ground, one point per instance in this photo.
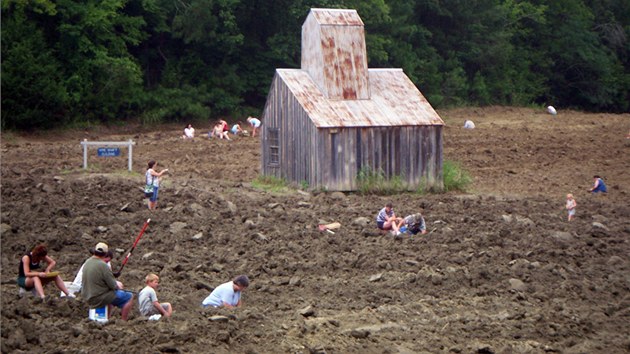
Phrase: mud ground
[500,271]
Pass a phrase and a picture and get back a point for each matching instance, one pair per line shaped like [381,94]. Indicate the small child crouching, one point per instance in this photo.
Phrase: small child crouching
[148,300]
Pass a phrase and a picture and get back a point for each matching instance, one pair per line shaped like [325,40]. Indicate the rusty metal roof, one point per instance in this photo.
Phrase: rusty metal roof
[337,17]
[394,101]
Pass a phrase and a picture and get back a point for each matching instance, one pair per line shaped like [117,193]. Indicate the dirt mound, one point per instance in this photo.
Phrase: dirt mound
[501,270]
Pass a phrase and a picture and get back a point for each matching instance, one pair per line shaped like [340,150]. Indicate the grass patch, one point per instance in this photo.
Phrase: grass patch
[454,177]
[271,184]
[375,182]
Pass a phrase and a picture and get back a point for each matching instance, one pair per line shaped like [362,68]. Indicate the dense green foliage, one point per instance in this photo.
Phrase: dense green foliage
[69,61]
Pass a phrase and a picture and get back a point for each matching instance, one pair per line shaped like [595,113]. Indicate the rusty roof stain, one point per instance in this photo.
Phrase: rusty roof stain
[394,101]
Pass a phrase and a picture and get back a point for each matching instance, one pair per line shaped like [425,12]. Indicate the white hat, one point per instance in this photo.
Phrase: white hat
[101,248]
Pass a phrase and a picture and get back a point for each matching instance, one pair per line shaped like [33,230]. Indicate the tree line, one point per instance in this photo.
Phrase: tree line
[71,62]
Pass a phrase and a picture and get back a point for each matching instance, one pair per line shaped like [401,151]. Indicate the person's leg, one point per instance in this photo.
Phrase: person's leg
[62,286]
[35,282]
[124,314]
[153,199]
[123,300]
[169,309]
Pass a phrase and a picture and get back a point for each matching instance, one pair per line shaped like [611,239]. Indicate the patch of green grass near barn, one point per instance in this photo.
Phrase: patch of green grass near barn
[271,184]
[375,182]
[454,177]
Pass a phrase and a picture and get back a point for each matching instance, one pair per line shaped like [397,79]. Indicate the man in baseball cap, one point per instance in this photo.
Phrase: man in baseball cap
[100,287]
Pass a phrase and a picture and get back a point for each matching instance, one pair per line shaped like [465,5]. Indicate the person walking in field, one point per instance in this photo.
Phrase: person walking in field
[571,204]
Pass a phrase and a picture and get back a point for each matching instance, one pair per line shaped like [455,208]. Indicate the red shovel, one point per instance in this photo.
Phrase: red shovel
[146,224]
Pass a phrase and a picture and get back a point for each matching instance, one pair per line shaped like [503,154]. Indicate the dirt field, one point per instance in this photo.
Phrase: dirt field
[501,270]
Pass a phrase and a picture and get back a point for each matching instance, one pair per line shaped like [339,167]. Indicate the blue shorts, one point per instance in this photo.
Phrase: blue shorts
[380,224]
[122,297]
[155,194]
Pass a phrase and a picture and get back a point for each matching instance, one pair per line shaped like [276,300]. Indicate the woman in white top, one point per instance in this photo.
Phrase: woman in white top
[189,132]
[153,178]
[255,123]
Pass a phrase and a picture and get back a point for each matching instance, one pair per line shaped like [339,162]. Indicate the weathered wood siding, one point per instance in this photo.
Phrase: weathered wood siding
[412,152]
[331,158]
[296,136]
[334,53]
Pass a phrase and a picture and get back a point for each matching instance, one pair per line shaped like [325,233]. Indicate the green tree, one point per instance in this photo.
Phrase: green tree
[33,93]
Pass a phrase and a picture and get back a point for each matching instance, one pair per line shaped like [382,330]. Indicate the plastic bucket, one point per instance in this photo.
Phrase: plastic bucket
[98,314]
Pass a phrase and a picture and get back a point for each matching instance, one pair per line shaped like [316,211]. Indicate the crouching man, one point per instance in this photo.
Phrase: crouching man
[100,287]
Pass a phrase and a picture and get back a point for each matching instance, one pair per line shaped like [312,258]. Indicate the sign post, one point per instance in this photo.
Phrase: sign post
[106,151]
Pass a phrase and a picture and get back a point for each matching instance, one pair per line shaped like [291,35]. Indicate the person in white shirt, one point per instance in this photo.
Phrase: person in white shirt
[189,132]
[227,294]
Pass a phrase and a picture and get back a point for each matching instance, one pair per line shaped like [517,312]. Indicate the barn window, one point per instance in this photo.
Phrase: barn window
[274,146]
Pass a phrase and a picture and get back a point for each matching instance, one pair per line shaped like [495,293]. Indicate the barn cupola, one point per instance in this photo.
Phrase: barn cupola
[334,53]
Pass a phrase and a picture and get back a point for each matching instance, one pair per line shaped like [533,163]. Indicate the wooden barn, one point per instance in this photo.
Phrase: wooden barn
[334,117]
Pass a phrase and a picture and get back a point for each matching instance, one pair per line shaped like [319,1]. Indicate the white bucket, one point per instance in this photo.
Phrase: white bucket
[98,314]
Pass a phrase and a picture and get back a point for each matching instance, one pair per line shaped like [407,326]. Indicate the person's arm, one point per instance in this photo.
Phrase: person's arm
[423,226]
[109,277]
[160,308]
[156,174]
[26,264]
[51,264]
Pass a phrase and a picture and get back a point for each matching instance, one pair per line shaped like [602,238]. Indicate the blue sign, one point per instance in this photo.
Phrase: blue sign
[108,152]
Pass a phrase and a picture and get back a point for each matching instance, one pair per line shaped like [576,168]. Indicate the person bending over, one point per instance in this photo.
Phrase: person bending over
[227,294]
[31,276]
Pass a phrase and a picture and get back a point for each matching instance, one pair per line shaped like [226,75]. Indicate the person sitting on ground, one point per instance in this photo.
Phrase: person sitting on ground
[236,129]
[30,277]
[598,185]
[100,287]
[386,219]
[227,294]
[189,132]
[414,224]
[218,132]
[148,301]
[571,205]
[255,123]
[77,283]
[224,125]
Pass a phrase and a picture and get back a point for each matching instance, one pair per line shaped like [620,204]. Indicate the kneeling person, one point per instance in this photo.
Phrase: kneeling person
[227,294]
[148,301]
[99,284]
[414,224]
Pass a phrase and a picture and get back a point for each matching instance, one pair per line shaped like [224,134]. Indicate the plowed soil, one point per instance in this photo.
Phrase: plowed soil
[500,271]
